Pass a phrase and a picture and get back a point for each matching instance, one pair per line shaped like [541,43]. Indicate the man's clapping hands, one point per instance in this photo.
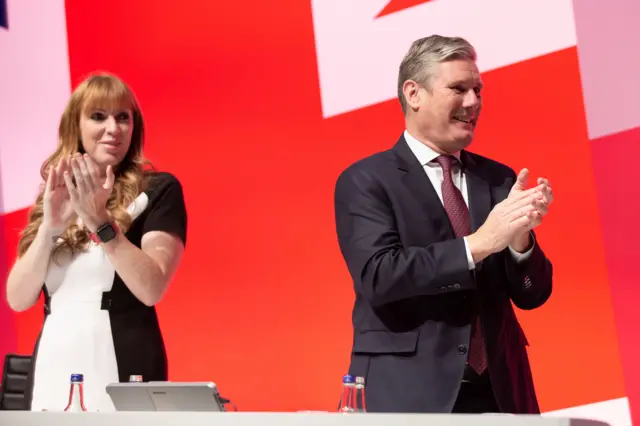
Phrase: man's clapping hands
[510,221]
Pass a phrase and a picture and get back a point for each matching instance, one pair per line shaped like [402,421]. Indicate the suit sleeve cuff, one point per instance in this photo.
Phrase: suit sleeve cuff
[471,264]
[523,257]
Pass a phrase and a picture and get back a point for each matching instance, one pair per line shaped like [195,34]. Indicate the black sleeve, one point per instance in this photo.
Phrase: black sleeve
[531,282]
[167,210]
[383,270]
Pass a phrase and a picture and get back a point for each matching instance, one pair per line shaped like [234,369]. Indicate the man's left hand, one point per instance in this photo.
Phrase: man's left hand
[523,241]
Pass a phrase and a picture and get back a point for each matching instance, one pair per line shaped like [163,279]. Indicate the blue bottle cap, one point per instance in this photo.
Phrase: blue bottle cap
[77,378]
[348,378]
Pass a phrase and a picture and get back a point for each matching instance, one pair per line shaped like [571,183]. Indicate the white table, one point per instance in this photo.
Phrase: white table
[26,418]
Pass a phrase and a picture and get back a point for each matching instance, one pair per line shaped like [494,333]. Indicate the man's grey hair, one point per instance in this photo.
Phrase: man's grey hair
[427,52]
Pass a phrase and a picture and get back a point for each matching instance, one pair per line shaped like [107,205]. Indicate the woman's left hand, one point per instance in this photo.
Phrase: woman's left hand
[90,193]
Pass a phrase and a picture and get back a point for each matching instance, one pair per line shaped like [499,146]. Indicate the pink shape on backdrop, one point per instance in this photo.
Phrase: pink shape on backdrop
[608,35]
[618,202]
[34,86]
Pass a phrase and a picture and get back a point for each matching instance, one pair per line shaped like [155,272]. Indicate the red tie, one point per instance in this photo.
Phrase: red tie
[458,213]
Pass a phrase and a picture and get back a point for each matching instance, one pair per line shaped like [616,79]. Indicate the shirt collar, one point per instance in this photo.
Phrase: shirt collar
[423,153]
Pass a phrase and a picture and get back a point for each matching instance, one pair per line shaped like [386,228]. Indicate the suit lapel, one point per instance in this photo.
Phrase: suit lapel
[418,183]
[478,190]
[420,186]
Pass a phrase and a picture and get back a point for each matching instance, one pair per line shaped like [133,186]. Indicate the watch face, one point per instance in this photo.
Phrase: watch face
[106,233]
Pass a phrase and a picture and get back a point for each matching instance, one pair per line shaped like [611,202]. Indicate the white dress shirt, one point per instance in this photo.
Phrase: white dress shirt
[425,156]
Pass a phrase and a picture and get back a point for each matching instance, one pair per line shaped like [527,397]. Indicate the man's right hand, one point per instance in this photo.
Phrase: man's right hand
[508,218]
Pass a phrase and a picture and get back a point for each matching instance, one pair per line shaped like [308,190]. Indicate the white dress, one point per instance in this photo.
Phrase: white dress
[77,336]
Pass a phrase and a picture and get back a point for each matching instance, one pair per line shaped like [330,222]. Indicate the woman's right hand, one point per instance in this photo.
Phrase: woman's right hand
[58,211]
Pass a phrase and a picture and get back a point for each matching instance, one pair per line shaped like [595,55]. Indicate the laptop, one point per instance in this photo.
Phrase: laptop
[165,396]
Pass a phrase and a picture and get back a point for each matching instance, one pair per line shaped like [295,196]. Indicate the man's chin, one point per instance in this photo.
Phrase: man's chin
[462,141]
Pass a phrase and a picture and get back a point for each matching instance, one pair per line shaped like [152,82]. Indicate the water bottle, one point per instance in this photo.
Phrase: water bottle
[76,394]
[361,405]
[135,378]
[347,399]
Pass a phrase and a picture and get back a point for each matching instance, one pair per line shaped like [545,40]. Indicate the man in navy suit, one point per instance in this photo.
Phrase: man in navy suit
[439,242]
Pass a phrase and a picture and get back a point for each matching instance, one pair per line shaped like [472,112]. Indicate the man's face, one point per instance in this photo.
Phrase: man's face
[446,111]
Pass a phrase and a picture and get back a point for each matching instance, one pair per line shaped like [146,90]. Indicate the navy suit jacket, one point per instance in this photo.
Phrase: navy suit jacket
[415,295]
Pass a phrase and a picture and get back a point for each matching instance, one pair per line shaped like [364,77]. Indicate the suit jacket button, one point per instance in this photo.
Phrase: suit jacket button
[462,349]
[456,286]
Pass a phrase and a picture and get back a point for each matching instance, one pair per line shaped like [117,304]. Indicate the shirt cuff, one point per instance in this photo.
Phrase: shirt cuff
[470,262]
[522,257]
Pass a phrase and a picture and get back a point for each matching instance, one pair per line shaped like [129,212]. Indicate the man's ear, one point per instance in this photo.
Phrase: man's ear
[412,94]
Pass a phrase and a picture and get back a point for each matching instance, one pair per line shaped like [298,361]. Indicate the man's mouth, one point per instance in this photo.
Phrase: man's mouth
[465,120]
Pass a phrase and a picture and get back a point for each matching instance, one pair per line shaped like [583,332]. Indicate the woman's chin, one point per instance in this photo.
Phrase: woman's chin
[106,160]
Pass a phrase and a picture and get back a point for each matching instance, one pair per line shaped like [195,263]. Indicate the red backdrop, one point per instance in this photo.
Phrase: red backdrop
[262,301]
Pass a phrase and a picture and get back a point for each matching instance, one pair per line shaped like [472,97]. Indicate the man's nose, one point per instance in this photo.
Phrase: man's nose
[471,99]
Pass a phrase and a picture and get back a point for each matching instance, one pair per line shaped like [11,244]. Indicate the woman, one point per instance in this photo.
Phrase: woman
[105,236]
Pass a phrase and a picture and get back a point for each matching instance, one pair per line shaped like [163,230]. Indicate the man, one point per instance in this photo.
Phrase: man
[439,242]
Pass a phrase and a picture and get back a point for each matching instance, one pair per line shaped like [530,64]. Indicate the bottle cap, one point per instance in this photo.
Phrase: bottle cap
[77,378]
[360,380]
[348,378]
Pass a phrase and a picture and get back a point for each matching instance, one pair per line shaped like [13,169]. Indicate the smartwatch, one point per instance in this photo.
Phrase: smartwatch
[104,234]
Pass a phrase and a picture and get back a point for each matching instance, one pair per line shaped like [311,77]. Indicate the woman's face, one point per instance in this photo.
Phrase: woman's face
[106,135]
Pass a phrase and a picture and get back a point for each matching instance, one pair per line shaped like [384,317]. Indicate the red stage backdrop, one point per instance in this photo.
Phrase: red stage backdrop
[256,107]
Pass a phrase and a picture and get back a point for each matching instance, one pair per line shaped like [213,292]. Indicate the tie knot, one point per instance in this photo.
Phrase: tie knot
[446,162]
